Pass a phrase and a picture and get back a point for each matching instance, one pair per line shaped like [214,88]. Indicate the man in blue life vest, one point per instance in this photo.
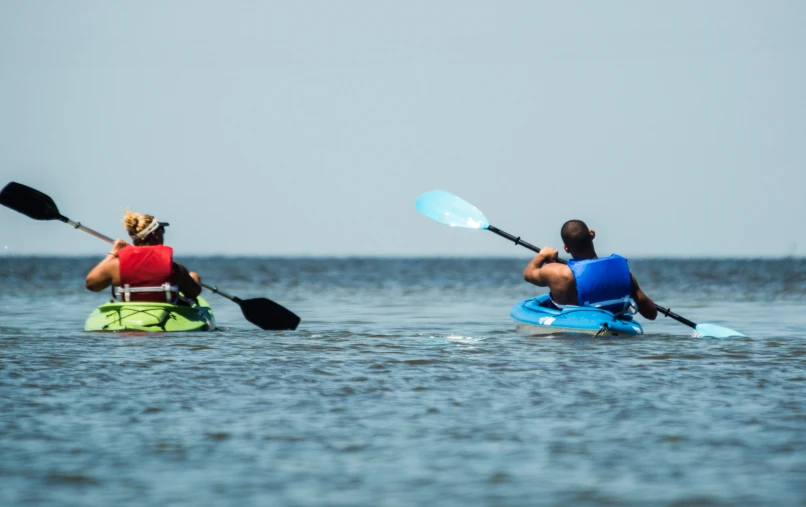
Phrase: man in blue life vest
[587,280]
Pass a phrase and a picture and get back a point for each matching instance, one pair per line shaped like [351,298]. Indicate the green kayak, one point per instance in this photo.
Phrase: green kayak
[151,317]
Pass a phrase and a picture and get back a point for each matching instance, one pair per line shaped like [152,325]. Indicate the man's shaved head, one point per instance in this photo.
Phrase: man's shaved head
[576,236]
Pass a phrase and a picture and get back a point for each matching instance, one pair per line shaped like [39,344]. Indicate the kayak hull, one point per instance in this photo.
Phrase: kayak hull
[533,317]
[151,317]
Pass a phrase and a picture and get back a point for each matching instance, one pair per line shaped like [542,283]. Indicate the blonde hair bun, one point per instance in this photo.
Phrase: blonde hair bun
[135,222]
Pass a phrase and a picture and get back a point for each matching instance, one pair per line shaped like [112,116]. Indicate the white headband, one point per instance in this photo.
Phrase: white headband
[153,226]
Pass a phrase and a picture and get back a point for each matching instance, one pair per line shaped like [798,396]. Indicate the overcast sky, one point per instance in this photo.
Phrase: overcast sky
[673,128]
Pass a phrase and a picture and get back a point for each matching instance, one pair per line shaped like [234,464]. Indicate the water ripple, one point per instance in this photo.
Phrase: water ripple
[385,397]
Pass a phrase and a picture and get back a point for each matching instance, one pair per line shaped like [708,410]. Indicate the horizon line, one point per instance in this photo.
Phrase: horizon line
[406,257]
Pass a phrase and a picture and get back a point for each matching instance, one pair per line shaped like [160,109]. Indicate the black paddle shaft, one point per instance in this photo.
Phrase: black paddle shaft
[518,241]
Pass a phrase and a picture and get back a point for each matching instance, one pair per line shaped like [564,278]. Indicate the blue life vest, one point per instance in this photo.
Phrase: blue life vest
[603,283]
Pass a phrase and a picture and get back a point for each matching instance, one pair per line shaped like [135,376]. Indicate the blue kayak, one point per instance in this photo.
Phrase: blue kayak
[538,316]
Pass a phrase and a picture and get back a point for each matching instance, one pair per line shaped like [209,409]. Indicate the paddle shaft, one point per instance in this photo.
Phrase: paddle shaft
[77,225]
[517,240]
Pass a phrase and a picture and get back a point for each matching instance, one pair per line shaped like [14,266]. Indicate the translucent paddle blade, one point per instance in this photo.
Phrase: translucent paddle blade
[714,331]
[446,208]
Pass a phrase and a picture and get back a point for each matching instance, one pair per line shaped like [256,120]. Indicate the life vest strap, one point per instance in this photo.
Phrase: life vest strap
[170,290]
[627,302]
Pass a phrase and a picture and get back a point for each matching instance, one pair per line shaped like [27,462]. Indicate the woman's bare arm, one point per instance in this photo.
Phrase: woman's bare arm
[189,285]
[106,272]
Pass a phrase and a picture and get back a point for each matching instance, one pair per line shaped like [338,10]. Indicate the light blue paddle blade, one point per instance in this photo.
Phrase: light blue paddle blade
[714,331]
[446,208]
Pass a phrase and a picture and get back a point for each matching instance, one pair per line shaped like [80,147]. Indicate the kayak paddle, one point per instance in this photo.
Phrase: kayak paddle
[262,312]
[449,209]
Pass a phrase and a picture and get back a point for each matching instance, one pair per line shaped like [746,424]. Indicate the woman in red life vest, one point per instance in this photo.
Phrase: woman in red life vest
[145,271]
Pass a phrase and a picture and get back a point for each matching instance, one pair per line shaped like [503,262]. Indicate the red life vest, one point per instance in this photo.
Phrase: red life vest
[146,274]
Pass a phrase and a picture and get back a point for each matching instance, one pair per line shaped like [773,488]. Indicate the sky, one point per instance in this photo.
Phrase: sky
[674,129]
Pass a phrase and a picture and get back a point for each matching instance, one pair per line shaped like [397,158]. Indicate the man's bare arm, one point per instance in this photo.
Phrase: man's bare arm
[646,307]
[536,271]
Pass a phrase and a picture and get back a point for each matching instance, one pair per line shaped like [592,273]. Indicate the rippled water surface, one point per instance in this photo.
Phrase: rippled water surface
[405,385]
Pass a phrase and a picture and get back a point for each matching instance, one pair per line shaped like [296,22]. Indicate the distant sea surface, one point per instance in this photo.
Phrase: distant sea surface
[405,384]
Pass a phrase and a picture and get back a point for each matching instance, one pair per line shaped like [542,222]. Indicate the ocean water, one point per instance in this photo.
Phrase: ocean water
[404,385]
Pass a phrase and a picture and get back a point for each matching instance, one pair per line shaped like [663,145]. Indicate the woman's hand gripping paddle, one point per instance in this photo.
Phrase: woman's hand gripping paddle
[262,312]
[449,209]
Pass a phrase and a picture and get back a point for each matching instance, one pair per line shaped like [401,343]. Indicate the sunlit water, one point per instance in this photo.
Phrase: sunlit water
[405,385]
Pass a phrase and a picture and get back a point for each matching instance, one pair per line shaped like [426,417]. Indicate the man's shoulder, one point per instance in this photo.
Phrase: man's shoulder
[559,270]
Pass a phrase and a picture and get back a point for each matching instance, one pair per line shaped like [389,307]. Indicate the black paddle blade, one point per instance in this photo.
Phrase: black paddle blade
[30,202]
[268,315]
